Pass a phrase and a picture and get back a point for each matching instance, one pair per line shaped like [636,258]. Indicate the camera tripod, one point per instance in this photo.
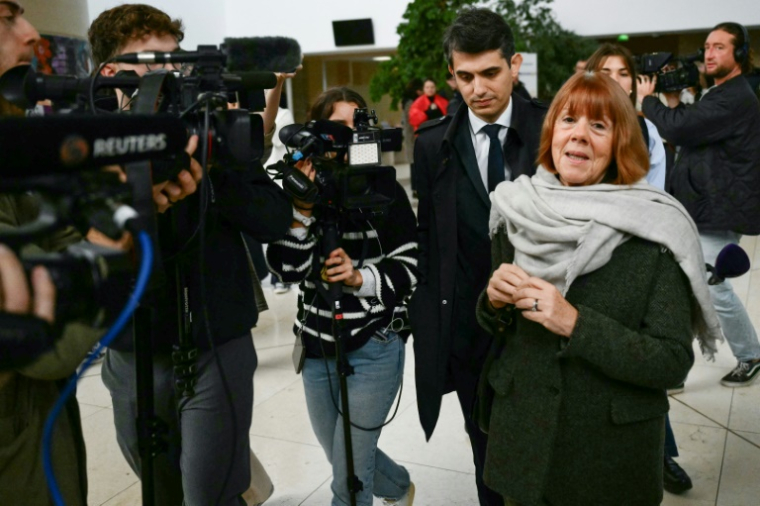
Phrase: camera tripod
[330,242]
[151,430]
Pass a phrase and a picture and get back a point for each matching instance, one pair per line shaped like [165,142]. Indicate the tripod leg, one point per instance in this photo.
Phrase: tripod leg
[344,370]
[146,415]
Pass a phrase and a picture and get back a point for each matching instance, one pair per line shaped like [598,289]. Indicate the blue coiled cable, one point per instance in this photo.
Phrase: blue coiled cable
[146,264]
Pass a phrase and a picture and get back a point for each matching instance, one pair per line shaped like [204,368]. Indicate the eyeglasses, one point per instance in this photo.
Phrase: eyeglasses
[183,69]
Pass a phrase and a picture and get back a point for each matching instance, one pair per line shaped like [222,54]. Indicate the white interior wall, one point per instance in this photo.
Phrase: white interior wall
[205,21]
[310,21]
[613,17]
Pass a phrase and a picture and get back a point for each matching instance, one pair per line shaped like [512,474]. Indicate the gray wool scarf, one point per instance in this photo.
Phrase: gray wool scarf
[562,232]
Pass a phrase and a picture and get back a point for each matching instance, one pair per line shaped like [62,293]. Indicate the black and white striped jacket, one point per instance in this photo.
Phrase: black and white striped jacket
[389,246]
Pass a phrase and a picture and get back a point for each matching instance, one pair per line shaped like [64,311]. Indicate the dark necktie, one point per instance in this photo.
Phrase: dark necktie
[495,157]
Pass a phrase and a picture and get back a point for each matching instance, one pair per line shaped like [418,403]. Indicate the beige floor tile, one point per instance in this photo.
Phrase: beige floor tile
[724,358]
[750,245]
[275,334]
[683,500]
[739,484]
[94,369]
[745,409]
[449,448]
[92,391]
[86,410]
[296,470]
[129,497]
[282,307]
[109,474]
[701,453]
[434,487]
[681,413]
[269,381]
[279,357]
[705,395]
[284,417]
[753,437]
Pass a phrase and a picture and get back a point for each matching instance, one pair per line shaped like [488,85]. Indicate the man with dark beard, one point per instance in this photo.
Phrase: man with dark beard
[717,173]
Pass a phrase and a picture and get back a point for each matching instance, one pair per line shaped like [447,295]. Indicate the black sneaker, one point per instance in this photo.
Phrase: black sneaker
[675,480]
[677,390]
[743,374]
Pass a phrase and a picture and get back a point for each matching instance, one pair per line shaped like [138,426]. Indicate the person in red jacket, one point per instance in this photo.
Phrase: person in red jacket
[429,106]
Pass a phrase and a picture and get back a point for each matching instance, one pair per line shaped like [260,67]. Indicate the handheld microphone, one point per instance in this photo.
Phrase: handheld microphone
[65,144]
[732,262]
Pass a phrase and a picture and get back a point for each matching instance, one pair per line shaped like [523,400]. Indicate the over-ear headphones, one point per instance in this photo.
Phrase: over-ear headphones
[741,53]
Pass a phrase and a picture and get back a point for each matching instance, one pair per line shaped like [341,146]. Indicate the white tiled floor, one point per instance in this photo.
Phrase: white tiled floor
[718,429]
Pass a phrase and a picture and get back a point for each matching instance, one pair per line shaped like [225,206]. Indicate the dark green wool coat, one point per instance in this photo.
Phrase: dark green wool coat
[28,394]
[581,422]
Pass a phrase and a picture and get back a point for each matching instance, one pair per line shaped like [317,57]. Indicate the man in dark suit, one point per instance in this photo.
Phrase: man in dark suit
[461,158]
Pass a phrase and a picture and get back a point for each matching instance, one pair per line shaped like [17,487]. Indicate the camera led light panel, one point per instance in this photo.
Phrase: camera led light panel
[364,154]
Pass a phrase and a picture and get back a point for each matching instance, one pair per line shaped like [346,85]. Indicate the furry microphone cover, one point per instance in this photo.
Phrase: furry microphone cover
[273,54]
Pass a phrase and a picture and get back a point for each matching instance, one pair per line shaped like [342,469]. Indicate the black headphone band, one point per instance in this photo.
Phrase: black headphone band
[742,53]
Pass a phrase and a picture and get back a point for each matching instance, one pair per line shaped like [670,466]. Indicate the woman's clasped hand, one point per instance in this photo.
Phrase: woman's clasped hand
[539,300]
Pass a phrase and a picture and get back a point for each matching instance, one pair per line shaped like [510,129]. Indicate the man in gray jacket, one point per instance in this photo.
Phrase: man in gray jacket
[717,173]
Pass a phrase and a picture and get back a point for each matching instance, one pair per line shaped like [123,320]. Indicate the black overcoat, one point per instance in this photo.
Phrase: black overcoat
[440,155]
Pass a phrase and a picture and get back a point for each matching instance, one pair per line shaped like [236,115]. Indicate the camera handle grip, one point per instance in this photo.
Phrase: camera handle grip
[330,239]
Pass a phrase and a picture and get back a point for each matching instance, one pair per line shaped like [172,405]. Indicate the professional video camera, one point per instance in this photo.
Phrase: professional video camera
[349,176]
[236,136]
[57,157]
[60,157]
[673,74]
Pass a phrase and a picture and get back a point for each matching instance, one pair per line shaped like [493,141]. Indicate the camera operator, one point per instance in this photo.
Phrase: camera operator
[376,262]
[717,173]
[28,393]
[194,471]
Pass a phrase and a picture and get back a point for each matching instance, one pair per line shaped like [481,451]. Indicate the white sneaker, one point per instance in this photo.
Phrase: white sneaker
[406,500]
[281,288]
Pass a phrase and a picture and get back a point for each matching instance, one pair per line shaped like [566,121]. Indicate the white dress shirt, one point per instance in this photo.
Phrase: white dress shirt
[482,143]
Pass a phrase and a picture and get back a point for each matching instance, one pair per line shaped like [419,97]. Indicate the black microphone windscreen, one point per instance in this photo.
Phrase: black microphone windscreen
[64,144]
[275,54]
[732,262]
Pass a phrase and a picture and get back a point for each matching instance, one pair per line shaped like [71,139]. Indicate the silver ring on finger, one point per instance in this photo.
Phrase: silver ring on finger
[535,306]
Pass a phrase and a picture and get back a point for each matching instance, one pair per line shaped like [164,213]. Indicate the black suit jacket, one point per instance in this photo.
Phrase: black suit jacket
[445,163]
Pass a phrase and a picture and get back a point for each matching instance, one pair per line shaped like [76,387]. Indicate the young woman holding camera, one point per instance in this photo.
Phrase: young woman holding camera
[376,263]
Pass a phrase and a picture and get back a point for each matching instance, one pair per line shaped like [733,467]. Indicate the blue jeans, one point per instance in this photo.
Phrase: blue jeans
[378,368]
[734,320]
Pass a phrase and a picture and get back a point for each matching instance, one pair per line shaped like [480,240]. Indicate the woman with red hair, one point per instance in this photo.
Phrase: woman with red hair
[597,290]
